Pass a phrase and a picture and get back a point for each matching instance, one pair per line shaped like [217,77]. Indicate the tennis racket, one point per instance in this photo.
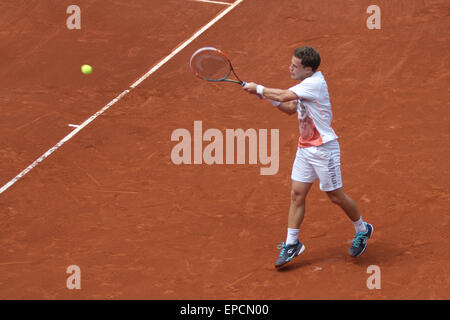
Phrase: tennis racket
[213,65]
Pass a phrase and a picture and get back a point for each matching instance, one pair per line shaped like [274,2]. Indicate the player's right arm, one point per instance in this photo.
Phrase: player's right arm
[285,100]
[271,93]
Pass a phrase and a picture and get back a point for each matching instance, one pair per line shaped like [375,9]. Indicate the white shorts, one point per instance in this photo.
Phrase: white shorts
[322,162]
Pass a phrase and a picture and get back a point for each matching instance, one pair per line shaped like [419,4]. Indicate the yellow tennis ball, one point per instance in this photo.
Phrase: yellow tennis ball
[86,69]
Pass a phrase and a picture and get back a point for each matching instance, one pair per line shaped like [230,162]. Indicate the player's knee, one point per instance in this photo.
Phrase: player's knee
[298,197]
[335,198]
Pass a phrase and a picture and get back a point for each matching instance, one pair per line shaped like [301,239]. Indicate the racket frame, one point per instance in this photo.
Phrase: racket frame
[224,79]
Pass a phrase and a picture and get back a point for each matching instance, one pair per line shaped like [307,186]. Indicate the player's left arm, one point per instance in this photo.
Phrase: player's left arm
[279,95]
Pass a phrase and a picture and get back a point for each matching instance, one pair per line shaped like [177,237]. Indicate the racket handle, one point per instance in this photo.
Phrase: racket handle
[259,96]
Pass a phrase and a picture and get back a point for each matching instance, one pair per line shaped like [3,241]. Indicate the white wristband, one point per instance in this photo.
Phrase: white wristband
[275,103]
[259,90]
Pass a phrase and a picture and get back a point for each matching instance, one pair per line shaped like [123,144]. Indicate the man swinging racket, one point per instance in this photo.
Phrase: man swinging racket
[318,153]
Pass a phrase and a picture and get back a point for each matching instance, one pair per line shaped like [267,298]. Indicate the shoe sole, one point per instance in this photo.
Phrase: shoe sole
[366,243]
[302,249]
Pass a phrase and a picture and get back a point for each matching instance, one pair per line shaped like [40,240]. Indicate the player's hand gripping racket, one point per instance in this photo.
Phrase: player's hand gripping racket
[211,64]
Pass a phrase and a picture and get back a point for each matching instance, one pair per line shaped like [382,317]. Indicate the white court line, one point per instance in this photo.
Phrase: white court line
[216,2]
[120,96]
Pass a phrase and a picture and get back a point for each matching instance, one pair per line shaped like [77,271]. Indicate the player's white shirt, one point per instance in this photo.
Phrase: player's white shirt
[314,111]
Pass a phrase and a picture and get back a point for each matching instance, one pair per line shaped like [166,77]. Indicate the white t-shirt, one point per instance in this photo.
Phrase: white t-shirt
[314,111]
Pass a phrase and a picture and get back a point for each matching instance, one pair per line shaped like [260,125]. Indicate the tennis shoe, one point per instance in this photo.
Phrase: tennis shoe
[359,242]
[288,252]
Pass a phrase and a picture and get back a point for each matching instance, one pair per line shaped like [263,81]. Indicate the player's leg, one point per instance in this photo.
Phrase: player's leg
[303,176]
[363,230]
[297,208]
[293,247]
[347,204]
[326,163]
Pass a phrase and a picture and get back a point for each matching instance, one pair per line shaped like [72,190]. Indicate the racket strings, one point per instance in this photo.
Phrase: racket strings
[211,65]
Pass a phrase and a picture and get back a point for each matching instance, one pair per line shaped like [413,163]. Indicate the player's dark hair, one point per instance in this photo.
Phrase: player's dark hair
[310,57]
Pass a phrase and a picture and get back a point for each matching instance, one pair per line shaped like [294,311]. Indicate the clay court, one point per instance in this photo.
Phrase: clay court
[111,201]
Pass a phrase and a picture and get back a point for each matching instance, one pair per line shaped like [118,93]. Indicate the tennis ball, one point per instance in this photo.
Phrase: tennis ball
[86,69]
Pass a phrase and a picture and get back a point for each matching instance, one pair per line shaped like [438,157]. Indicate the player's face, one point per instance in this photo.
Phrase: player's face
[297,70]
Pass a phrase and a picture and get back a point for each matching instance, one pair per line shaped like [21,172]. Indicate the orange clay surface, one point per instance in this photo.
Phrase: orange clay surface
[111,201]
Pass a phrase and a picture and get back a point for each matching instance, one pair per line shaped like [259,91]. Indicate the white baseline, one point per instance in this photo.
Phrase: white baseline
[120,96]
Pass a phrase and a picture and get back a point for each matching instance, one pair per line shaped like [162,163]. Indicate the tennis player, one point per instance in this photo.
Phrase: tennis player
[318,153]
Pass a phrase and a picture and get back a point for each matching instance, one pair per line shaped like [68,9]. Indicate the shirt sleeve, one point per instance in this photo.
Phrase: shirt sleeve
[305,90]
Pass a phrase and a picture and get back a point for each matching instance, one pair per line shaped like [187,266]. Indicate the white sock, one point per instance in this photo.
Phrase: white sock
[292,236]
[359,225]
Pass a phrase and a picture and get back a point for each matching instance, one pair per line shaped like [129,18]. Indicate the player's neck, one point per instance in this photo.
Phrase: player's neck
[307,76]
